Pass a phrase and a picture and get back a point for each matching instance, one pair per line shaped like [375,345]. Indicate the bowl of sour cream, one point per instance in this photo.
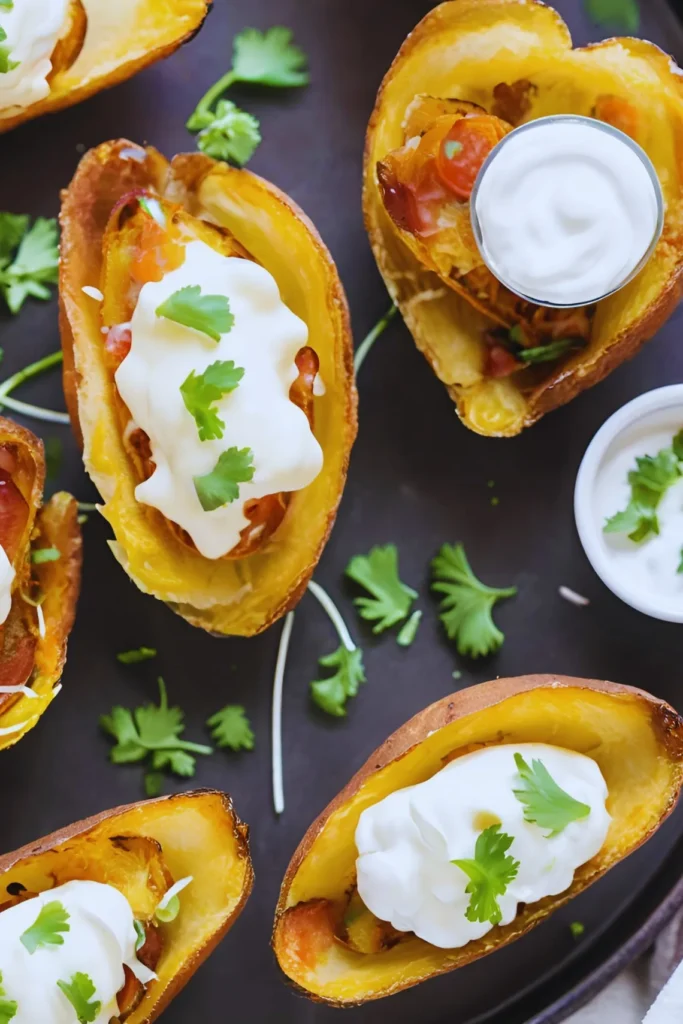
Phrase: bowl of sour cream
[566,210]
[628,503]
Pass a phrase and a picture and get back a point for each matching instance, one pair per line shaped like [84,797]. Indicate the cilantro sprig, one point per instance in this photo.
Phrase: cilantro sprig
[332,692]
[623,15]
[6,62]
[467,603]
[221,486]
[391,599]
[8,1007]
[649,482]
[545,803]
[201,390]
[47,929]
[269,58]
[79,991]
[28,256]
[208,314]
[231,728]
[490,873]
[152,733]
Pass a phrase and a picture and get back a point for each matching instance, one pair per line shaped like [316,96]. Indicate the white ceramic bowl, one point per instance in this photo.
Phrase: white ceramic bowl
[657,410]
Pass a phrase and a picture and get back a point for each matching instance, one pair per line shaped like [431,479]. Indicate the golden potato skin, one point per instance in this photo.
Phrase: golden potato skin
[636,739]
[240,597]
[465,48]
[55,524]
[106,43]
[200,835]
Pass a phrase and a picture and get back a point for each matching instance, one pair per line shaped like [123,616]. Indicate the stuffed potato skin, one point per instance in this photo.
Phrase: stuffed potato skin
[467,49]
[199,834]
[604,720]
[107,43]
[245,597]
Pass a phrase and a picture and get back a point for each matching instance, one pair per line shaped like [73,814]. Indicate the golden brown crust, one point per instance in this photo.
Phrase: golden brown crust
[200,834]
[599,718]
[105,44]
[467,48]
[248,596]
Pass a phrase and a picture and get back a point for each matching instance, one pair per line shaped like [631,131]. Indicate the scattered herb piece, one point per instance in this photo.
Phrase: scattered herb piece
[619,14]
[41,555]
[408,631]
[495,501]
[490,873]
[232,134]
[467,603]
[46,930]
[28,262]
[141,935]
[137,655]
[457,674]
[577,928]
[332,693]
[451,147]
[200,391]
[268,58]
[680,564]
[491,483]
[545,803]
[169,905]
[208,314]
[54,456]
[649,482]
[8,1007]
[152,208]
[79,991]
[230,727]
[372,336]
[221,485]
[25,408]
[153,782]
[378,573]
[6,64]
[546,353]
[7,5]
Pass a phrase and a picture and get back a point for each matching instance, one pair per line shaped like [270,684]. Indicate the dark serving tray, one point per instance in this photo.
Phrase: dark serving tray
[417,478]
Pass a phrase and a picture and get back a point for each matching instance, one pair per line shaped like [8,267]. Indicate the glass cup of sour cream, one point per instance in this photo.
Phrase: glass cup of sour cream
[566,210]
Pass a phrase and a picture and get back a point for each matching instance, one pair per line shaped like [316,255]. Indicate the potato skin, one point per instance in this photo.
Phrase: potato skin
[116,41]
[225,837]
[446,327]
[246,597]
[528,698]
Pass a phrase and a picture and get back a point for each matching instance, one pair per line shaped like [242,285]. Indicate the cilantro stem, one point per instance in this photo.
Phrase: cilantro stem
[87,506]
[276,716]
[48,415]
[216,91]
[334,614]
[370,339]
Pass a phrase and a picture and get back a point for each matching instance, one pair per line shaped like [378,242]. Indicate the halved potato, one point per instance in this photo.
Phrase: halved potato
[468,50]
[636,739]
[199,834]
[105,43]
[55,584]
[246,595]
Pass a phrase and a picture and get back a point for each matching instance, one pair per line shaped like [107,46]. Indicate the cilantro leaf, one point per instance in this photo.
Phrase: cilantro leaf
[8,1007]
[200,391]
[221,485]
[208,314]
[45,930]
[79,991]
[41,555]
[546,353]
[137,655]
[545,803]
[230,727]
[490,873]
[269,58]
[619,14]
[649,481]
[153,783]
[5,63]
[13,227]
[177,761]
[228,133]
[467,604]
[378,573]
[7,5]
[35,264]
[577,928]
[408,631]
[331,694]
[680,564]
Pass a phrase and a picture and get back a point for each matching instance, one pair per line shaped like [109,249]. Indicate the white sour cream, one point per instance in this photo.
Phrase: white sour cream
[100,940]
[32,28]
[566,209]
[258,414]
[7,575]
[407,841]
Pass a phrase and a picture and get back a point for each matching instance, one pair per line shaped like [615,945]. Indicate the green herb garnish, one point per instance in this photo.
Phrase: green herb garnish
[577,928]
[408,631]
[28,257]
[623,15]
[201,391]
[79,991]
[378,573]
[137,655]
[545,803]
[208,314]
[649,483]
[8,1007]
[46,930]
[54,456]
[490,873]
[221,485]
[6,63]
[230,727]
[140,933]
[231,134]
[546,353]
[41,555]
[332,693]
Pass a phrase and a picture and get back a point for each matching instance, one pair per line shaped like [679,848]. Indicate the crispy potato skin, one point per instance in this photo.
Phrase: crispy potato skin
[245,597]
[52,525]
[107,43]
[602,719]
[200,834]
[466,48]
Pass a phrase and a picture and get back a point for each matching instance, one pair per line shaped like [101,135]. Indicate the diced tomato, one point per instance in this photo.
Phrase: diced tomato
[464,149]
[414,205]
[117,344]
[500,362]
[157,253]
[13,514]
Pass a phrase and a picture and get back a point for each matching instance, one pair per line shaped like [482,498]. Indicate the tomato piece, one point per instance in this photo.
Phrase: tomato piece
[14,513]
[17,650]
[117,344]
[619,113]
[156,254]
[500,362]
[131,994]
[464,149]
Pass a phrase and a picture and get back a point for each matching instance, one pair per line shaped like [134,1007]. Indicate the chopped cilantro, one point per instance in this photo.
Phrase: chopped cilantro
[230,727]
[41,555]
[577,928]
[623,15]
[137,655]
[221,485]
[79,991]
[331,694]
[545,803]
[408,631]
[54,456]
[200,391]
[8,1007]
[140,933]
[208,314]
[230,134]
[490,873]
[378,573]
[546,353]
[46,930]
[28,261]
[649,481]
[6,64]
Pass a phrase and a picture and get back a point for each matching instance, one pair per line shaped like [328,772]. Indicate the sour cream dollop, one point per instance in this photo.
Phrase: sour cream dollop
[100,940]
[566,209]
[7,575]
[32,30]
[264,341]
[407,841]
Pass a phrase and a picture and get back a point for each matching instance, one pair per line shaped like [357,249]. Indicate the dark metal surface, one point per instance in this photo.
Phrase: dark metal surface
[417,478]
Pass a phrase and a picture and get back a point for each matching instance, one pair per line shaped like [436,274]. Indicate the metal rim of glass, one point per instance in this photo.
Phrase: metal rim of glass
[601,126]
